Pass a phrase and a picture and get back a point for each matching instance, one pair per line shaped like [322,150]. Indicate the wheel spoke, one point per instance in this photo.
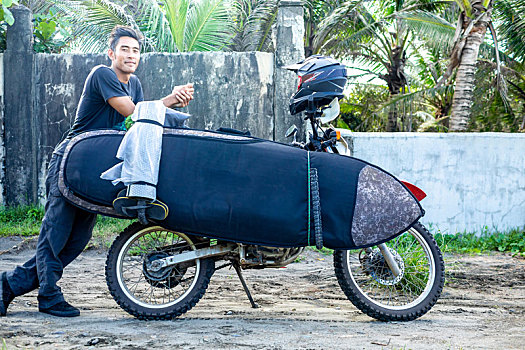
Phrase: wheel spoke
[156,287]
[376,282]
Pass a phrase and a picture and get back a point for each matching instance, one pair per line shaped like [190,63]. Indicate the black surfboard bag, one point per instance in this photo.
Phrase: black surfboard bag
[249,190]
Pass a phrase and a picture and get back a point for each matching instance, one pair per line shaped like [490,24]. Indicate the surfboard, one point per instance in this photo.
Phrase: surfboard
[249,190]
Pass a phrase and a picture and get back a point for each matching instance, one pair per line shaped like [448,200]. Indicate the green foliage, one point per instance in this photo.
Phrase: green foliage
[512,241]
[26,220]
[359,108]
[5,13]
[179,25]
[253,21]
[22,220]
[106,229]
[21,214]
[6,18]
[49,33]
[489,111]
[510,20]
[323,250]
[49,29]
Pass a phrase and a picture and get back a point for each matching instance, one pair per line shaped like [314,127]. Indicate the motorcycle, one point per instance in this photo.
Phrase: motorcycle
[156,273]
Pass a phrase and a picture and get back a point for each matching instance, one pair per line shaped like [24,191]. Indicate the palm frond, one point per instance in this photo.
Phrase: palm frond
[266,29]
[425,5]
[368,33]
[511,26]
[36,6]
[466,6]
[207,26]
[253,20]
[155,26]
[93,21]
[177,13]
[340,17]
[431,92]
[436,31]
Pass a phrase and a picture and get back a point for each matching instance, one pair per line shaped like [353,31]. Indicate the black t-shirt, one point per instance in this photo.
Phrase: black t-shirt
[94,112]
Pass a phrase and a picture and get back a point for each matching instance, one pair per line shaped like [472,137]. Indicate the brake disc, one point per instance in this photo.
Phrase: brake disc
[375,265]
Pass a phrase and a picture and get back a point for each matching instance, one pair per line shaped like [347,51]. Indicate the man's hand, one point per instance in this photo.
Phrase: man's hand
[180,96]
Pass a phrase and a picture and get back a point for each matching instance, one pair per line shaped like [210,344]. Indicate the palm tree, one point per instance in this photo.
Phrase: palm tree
[487,89]
[253,20]
[376,34]
[472,25]
[178,25]
[474,18]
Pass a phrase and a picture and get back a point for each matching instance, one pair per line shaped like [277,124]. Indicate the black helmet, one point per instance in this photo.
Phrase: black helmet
[321,77]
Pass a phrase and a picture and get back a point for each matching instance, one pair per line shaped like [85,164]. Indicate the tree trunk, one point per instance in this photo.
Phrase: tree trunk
[396,81]
[464,91]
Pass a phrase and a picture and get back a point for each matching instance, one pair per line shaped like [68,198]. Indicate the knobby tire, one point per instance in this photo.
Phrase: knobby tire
[382,313]
[207,267]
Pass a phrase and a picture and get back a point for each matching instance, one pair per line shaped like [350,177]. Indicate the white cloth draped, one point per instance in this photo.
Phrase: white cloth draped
[140,151]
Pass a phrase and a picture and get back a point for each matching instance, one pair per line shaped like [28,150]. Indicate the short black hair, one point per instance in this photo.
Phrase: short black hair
[120,31]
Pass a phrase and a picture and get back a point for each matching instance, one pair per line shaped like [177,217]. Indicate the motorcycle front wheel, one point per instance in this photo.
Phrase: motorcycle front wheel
[145,291]
[369,283]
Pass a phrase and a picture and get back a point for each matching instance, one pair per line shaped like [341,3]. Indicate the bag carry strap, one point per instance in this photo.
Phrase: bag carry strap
[316,209]
[314,206]
[148,121]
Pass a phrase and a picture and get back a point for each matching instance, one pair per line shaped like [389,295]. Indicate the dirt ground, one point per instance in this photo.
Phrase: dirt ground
[302,307]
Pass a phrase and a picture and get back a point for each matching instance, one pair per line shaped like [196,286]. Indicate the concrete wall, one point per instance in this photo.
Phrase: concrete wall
[232,89]
[242,90]
[472,180]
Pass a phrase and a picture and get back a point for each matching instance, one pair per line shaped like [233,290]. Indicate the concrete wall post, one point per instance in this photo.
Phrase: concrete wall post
[2,148]
[289,48]
[21,138]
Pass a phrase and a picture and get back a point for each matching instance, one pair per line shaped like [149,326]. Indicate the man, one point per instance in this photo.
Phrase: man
[109,95]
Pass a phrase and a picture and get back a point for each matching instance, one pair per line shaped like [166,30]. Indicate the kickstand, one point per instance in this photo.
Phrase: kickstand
[244,285]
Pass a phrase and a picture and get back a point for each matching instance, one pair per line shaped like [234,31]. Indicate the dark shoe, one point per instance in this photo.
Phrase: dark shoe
[6,294]
[62,309]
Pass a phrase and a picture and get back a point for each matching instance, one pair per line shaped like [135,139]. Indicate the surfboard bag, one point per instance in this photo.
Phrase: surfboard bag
[249,190]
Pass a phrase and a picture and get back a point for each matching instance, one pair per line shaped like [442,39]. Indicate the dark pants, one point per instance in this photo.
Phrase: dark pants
[64,233]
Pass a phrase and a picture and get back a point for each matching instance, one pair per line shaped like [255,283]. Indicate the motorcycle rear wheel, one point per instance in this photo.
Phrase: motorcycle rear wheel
[150,294]
[370,285]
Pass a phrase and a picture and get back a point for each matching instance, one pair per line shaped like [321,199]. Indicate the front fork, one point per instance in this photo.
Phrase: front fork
[389,258]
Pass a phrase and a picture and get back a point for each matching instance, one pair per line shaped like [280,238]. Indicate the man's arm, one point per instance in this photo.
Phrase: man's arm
[122,104]
[179,97]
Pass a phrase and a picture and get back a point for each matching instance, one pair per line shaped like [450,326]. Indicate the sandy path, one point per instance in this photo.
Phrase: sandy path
[482,307]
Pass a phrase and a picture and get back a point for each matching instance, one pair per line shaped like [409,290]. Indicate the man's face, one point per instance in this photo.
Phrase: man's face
[126,56]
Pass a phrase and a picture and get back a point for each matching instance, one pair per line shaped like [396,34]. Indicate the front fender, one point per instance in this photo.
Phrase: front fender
[416,191]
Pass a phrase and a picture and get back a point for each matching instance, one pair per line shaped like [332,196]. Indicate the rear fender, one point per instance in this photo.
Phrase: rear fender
[416,191]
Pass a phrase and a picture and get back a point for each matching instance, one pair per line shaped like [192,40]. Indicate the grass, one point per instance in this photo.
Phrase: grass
[106,229]
[512,241]
[25,221]
[20,221]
